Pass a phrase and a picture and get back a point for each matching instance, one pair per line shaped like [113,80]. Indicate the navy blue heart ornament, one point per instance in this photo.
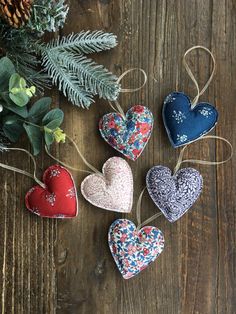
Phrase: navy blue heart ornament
[174,194]
[185,124]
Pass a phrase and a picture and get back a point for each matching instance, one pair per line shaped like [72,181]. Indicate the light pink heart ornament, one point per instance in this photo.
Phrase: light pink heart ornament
[113,188]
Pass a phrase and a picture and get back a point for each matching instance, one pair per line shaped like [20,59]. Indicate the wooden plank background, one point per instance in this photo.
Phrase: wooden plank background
[52,266]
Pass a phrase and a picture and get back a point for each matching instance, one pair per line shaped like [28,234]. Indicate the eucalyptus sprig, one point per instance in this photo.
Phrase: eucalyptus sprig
[44,124]
[38,122]
[19,92]
[40,125]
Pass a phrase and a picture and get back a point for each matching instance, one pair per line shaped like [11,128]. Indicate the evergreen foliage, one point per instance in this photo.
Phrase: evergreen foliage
[47,15]
[62,61]
[78,77]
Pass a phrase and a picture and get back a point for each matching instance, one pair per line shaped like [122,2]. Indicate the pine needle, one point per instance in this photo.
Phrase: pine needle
[67,82]
[78,77]
[85,42]
[95,78]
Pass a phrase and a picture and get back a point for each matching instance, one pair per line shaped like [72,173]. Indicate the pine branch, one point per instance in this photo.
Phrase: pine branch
[27,66]
[47,15]
[95,78]
[85,42]
[18,45]
[67,82]
[78,77]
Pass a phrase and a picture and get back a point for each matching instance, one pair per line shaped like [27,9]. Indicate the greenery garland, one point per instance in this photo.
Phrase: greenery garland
[29,65]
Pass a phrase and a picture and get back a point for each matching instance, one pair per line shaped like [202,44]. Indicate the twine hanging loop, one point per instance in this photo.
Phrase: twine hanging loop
[204,162]
[118,107]
[190,73]
[25,173]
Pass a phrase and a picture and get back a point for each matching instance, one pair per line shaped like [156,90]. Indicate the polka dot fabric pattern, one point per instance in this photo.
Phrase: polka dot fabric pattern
[129,136]
[59,197]
[133,250]
[112,190]
[174,195]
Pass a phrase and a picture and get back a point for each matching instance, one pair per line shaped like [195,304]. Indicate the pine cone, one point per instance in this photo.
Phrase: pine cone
[16,12]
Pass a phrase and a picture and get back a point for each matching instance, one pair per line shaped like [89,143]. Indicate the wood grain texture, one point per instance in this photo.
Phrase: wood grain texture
[50,266]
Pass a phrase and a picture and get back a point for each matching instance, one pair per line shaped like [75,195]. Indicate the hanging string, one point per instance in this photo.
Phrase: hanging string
[138,212]
[118,107]
[91,167]
[179,162]
[203,162]
[190,73]
[33,176]
[131,90]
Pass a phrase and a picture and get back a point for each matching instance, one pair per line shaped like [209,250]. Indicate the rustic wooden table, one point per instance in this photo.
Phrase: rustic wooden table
[54,266]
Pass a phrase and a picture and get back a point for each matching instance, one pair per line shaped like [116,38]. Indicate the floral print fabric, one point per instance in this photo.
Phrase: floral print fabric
[174,195]
[130,135]
[112,190]
[59,197]
[185,124]
[131,249]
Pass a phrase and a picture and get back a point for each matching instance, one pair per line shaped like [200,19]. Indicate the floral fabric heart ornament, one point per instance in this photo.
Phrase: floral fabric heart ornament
[174,194]
[113,188]
[59,197]
[55,197]
[130,134]
[185,124]
[133,250]
[187,121]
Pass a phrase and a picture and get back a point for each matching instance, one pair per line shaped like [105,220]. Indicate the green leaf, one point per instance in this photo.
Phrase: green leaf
[20,99]
[14,81]
[35,136]
[6,70]
[19,93]
[12,127]
[39,109]
[49,139]
[53,118]
[9,104]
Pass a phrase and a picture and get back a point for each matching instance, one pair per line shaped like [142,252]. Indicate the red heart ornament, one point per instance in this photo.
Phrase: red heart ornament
[59,197]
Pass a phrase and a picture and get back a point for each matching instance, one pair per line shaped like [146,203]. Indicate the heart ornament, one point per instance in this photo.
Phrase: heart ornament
[133,250]
[113,188]
[185,124]
[59,197]
[128,135]
[174,195]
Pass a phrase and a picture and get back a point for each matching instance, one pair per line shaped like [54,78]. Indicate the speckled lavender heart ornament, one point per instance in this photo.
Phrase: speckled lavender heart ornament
[133,250]
[112,190]
[128,135]
[174,195]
